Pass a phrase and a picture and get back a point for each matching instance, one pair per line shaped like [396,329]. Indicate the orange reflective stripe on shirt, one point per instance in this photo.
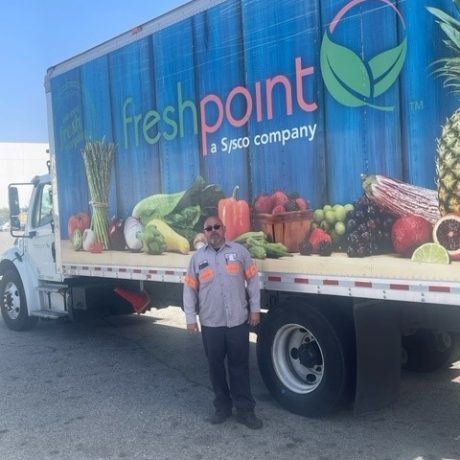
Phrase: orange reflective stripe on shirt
[251,272]
[233,267]
[206,275]
[190,282]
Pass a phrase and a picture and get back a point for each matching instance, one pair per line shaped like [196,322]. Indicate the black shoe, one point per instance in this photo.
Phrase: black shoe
[219,417]
[250,420]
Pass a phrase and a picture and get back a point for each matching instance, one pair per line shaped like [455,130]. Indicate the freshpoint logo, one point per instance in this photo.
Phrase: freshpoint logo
[352,81]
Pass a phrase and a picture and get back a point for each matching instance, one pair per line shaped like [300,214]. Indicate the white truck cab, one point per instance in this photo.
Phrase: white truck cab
[33,284]
[29,270]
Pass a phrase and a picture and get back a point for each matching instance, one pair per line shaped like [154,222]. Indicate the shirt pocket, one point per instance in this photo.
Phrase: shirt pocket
[206,275]
[233,268]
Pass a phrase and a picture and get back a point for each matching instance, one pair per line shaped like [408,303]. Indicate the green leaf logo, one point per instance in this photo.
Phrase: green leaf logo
[387,66]
[351,81]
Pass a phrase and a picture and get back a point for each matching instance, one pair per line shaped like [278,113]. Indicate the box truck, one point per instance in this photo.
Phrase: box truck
[323,133]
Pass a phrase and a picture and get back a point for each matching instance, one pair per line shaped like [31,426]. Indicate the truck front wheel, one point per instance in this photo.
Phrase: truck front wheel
[13,303]
[302,361]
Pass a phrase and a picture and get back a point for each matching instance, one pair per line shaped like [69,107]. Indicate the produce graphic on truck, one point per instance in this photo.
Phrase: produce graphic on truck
[313,130]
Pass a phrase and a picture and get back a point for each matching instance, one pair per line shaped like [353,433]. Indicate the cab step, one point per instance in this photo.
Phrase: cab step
[49,314]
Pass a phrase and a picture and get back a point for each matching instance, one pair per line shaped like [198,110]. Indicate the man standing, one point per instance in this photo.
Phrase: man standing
[221,277]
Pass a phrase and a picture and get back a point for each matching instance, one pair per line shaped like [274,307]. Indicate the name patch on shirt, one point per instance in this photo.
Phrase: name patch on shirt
[230,257]
[203,265]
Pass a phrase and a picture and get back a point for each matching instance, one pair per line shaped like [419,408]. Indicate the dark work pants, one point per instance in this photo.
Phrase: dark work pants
[231,343]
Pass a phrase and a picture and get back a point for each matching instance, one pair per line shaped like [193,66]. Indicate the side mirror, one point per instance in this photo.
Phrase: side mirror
[18,198]
[15,210]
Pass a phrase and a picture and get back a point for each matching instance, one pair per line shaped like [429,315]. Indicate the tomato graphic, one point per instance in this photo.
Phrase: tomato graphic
[81,221]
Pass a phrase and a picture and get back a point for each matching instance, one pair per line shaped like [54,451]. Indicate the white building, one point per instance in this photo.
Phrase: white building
[19,162]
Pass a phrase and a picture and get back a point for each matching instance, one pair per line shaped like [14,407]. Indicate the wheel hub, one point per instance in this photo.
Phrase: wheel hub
[297,358]
[12,301]
[310,354]
[443,341]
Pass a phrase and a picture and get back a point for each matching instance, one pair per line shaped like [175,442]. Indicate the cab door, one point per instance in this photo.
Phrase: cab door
[40,244]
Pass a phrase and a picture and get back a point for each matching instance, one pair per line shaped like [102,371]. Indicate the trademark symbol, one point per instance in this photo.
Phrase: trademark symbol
[416,106]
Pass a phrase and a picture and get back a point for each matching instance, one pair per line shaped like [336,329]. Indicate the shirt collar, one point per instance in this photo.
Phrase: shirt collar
[226,244]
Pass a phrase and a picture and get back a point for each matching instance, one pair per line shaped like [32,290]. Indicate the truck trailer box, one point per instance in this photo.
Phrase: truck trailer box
[299,98]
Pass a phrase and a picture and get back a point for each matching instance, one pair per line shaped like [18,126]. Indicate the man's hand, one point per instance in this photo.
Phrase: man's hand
[193,328]
[254,319]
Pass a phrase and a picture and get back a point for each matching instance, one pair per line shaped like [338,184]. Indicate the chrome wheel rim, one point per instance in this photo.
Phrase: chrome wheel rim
[12,300]
[297,358]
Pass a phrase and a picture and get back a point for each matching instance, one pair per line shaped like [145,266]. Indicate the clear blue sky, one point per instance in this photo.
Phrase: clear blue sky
[36,34]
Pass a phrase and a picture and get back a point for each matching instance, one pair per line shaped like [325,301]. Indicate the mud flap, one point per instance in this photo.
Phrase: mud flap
[378,354]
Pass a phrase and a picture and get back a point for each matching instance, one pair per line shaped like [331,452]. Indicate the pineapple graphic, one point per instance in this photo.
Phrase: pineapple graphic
[448,148]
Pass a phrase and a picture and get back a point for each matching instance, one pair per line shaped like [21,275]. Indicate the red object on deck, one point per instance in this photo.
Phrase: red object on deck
[138,300]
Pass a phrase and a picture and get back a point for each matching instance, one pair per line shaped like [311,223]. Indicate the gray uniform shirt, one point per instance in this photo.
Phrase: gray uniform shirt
[218,284]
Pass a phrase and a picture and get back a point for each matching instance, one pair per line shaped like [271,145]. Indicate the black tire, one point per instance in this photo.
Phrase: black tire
[456,351]
[13,303]
[302,361]
[427,350]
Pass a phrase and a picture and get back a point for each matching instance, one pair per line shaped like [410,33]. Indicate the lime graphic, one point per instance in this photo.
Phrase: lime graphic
[347,77]
[431,253]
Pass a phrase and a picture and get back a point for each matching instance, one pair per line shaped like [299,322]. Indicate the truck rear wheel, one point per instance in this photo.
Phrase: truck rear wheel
[13,303]
[302,361]
[428,350]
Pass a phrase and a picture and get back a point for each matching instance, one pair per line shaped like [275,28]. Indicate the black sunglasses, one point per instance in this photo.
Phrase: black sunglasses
[211,227]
